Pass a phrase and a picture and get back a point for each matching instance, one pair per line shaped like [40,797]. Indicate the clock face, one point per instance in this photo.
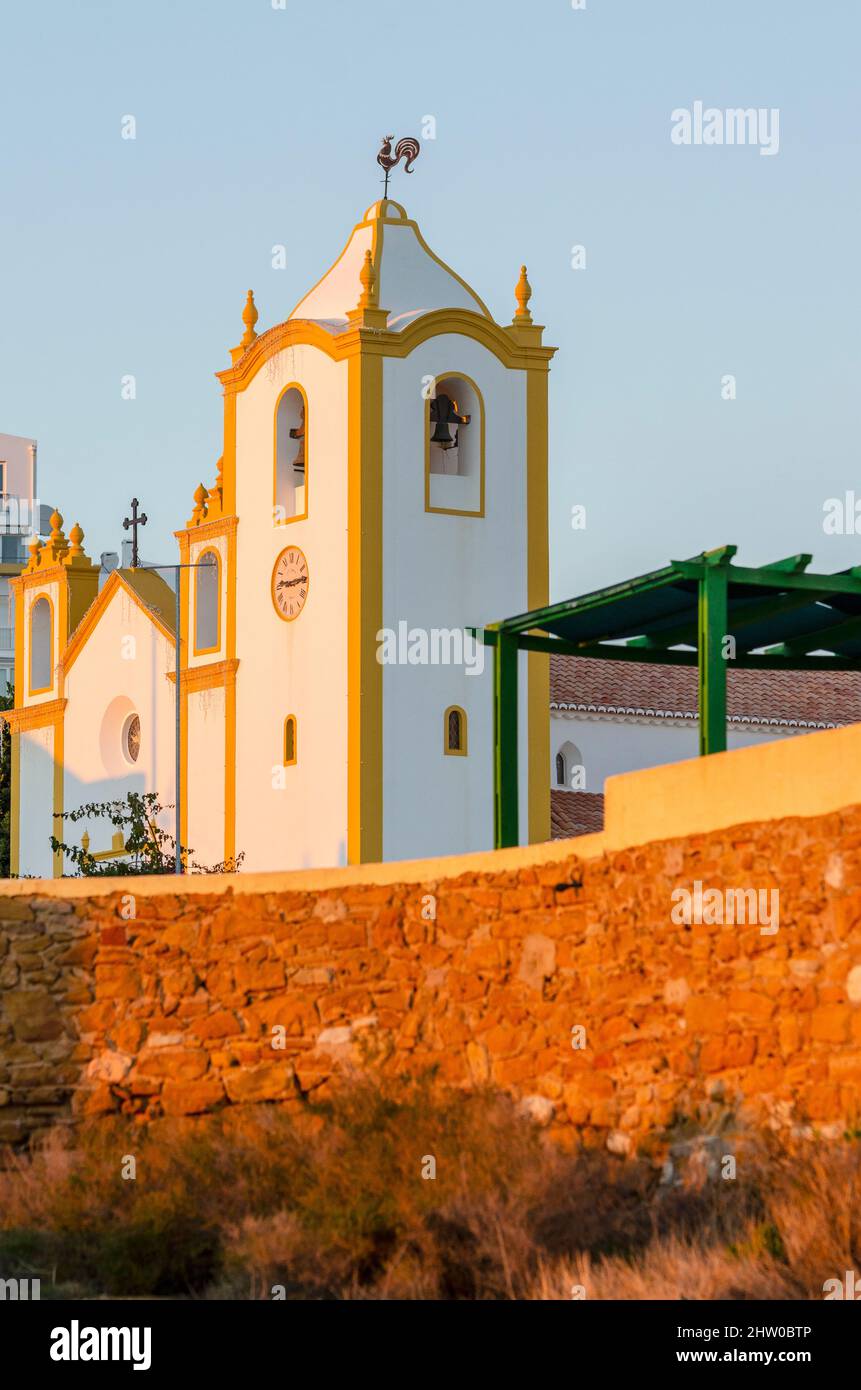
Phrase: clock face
[290,583]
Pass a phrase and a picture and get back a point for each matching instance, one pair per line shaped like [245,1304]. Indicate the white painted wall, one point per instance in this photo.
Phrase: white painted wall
[103,687]
[609,747]
[206,733]
[37,802]
[443,571]
[300,667]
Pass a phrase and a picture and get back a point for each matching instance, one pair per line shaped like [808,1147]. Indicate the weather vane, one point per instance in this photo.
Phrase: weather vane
[407,149]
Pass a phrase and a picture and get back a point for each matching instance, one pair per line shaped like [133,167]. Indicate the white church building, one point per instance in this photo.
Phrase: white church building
[382,486]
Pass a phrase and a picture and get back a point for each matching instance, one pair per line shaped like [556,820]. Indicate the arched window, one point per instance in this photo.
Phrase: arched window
[291,455]
[207,603]
[41,644]
[290,749]
[454,447]
[454,731]
[569,761]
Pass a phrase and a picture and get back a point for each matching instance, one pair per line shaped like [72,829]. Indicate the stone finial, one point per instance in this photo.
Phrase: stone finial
[57,544]
[199,513]
[523,294]
[368,277]
[76,550]
[85,842]
[249,318]
[35,548]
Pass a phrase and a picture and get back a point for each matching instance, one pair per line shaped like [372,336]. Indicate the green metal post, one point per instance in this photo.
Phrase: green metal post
[712,629]
[505,828]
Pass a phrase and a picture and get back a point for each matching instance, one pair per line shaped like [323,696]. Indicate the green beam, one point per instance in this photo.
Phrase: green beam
[505,828]
[793,564]
[817,584]
[659,656]
[712,605]
[602,598]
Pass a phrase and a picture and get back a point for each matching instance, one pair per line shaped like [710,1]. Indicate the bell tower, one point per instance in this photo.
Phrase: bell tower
[384,483]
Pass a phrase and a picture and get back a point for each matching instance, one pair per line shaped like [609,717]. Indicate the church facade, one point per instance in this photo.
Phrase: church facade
[382,487]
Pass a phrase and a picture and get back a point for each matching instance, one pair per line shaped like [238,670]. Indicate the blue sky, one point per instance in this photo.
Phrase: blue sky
[258,126]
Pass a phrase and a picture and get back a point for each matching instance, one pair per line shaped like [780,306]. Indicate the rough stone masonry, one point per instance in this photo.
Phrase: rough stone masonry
[567,984]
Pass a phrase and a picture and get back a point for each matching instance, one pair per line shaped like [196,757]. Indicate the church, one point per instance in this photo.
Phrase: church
[382,489]
[384,463]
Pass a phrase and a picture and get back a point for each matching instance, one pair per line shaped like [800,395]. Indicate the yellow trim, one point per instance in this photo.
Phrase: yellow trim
[537,596]
[207,651]
[52,663]
[20,674]
[283,616]
[209,530]
[88,623]
[59,742]
[291,762]
[300,516]
[210,675]
[182,693]
[364,609]
[464,733]
[15,806]
[356,339]
[27,717]
[230,707]
[455,511]
[228,456]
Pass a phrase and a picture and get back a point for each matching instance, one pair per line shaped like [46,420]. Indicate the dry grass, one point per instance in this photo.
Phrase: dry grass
[333,1205]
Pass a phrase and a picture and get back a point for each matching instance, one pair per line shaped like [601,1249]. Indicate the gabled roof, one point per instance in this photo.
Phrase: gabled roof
[411,280]
[147,589]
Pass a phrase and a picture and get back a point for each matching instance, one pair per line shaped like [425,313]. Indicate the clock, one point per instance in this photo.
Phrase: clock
[290,583]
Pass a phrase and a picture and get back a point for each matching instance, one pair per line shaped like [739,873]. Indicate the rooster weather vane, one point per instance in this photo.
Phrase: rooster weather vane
[407,150]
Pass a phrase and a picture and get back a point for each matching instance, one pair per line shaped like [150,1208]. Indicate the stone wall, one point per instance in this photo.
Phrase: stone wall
[131,997]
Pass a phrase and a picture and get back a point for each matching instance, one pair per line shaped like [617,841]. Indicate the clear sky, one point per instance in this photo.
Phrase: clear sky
[258,126]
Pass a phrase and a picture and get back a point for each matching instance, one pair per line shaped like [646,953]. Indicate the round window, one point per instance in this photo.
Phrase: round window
[132,738]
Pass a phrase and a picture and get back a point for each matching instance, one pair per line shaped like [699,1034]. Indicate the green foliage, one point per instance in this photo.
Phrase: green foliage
[150,849]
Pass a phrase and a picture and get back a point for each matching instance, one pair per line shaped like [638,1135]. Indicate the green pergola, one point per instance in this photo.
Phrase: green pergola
[705,612]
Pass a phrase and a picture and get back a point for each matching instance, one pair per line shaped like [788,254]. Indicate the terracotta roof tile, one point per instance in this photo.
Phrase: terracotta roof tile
[814,698]
[575,813]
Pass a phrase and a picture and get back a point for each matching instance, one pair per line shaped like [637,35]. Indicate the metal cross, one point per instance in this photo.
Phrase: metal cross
[134,521]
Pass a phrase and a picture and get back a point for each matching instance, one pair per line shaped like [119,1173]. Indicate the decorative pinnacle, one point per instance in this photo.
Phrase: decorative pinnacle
[523,294]
[85,842]
[368,277]
[249,318]
[76,550]
[35,548]
[57,543]
[200,496]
